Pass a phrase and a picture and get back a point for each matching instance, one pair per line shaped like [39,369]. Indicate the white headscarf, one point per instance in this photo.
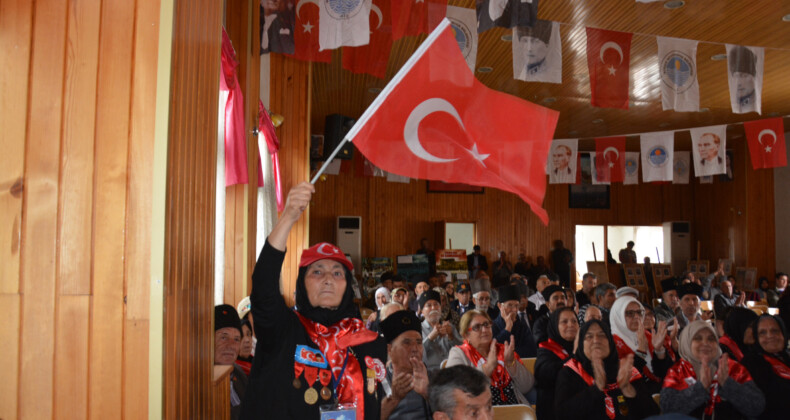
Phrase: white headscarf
[620,326]
[382,291]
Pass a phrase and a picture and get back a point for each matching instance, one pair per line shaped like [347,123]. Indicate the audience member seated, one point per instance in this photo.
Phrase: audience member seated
[481,282]
[390,309]
[386,280]
[690,295]
[244,361]
[537,297]
[670,303]
[738,335]
[587,294]
[420,288]
[605,295]
[570,298]
[561,261]
[651,351]
[501,270]
[773,295]
[706,384]
[595,384]
[401,295]
[510,323]
[626,291]
[761,292]
[476,263]
[405,369]
[769,364]
[227,340]
[463,298]
[483,303]
[588,312]
[552,354]
[438,337]
[460,392]
[524,265]
[650,319]
[727,299]
[540,269]
[449,289]
[555,299]
[713,282]
[382,298]
[447,313]
[510,380]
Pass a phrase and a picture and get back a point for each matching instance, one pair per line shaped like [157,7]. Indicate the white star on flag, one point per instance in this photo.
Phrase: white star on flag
[611,164]
[611,70]
[477,155]
[308,27]
[768,149]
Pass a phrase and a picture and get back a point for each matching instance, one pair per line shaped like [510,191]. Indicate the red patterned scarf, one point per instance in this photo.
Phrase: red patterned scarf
[500,378]
[334,342]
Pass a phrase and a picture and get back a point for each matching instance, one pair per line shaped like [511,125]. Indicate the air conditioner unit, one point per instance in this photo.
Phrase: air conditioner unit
[677,245]
[349,239]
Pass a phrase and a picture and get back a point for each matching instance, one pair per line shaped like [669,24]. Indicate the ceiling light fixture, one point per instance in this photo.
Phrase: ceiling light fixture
[573,133]
[718,57]
[485,69]
[507,38]
[786,18]
[664,124]
[674,4]
[597,121]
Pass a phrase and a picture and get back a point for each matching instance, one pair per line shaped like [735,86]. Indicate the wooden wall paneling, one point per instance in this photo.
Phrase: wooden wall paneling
[39,230]
[231,203]
[16,21]
[290,96]
[760,221]
[253,98]
[189,239]
[77,158]
[112,131]
[137,270]
[72,357]
[9,354]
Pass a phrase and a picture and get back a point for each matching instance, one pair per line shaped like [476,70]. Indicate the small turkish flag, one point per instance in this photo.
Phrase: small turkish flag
[307,47]
[608,61]
[415,17]
[766,141]
[373,58]
[435,121]
[610,159]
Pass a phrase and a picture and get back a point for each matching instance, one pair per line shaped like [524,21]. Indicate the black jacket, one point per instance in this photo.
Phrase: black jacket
[525,343]
[775,388]
[270,392]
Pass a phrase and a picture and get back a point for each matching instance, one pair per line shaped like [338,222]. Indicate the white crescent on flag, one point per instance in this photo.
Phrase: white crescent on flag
[303,2]
[615,46]
[375,9]
[764,132]
[410,136]
[613,149]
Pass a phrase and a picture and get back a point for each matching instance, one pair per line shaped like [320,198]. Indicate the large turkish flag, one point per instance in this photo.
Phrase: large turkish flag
[307,46]
[766,141]
[434,120]
[608,61]
[610,159]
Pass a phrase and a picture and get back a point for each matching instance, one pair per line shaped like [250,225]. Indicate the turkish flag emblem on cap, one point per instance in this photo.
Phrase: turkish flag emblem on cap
[324,251]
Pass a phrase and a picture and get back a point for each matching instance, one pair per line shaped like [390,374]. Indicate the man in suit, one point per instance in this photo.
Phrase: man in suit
[476,262]
[463,300]
[511,322]
[277,27]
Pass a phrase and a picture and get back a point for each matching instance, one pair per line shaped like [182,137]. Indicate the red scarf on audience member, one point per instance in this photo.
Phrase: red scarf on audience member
[778,367]
[732,346]
[623,350]
[555,348]
[334,342]
[608,401]
[682,370]
[500,377]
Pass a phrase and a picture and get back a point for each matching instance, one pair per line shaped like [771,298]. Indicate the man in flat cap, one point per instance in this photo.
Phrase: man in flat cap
[510,323]
[227,342]
[690,295]
[670,303]
[463,297]
[406,371]
[438,337]
[555,299]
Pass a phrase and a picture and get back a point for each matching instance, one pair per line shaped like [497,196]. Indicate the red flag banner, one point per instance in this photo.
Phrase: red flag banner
[373,58]
[610,159]
[608,61]
[766,141]
[435,121]
[235,139]
[415,17]
[306,33]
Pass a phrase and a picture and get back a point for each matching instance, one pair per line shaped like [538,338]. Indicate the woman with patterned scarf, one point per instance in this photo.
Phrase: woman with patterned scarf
[653,354]
[769,364]
[320,355]
[510,380]
[596,384]
[706,384]
[552,354]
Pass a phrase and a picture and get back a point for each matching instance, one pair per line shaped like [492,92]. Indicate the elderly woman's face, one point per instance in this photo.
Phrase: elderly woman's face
[704,345]
[568,325]
[770,335]
[325,282]
[596,345]
[634,314]
[479,332]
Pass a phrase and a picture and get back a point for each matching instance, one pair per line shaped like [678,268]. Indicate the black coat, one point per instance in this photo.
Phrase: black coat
[525,343]
[547,366]
[270,392]
[775,388]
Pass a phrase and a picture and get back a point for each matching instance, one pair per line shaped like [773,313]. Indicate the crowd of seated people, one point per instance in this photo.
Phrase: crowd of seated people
[442,349]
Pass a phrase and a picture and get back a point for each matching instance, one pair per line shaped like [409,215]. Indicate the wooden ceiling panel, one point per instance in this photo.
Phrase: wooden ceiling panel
[712,22]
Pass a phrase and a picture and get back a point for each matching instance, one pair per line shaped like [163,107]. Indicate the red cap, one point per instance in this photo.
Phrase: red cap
[324,251]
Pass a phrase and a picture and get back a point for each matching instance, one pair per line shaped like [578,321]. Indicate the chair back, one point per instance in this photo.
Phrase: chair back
[529,363]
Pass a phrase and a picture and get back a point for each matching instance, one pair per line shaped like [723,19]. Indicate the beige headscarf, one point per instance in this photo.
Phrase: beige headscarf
[684,342]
